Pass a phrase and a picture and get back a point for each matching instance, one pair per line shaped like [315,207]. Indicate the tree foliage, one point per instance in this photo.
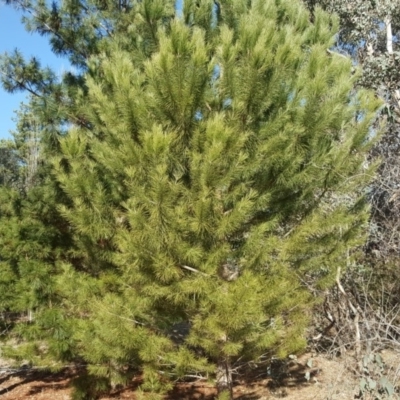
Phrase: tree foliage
[369,33]
[9,168]
[212,171]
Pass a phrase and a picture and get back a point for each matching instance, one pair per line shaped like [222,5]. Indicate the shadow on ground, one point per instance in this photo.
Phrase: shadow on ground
[43,379]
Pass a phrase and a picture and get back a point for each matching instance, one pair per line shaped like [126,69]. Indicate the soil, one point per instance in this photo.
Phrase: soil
[327,379]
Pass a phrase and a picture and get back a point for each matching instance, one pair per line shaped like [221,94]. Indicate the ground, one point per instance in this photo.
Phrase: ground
[309,377]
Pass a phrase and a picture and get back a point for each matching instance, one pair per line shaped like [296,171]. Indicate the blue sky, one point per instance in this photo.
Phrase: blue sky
[13,35]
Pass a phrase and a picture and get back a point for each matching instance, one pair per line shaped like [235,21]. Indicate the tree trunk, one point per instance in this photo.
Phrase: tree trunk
[224,377]
[389,35]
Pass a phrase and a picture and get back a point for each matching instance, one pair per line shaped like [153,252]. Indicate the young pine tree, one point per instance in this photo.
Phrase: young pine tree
[33,239]
[221,178]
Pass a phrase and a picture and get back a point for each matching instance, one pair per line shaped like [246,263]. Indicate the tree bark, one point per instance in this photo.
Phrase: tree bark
[224,377]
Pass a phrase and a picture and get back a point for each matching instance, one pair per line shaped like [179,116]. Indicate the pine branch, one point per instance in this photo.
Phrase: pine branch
[109,33]
[120,317]
[23,85]
[52,30]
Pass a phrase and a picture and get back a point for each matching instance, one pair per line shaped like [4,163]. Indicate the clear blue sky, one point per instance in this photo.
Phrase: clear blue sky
[13,35]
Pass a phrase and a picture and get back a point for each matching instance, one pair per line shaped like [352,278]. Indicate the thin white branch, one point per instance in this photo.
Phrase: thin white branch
[389,47]
[356,316]
[389,35]
[194,270]
[337,54]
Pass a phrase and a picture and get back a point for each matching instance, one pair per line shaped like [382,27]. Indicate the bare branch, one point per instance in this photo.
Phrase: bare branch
[193,270]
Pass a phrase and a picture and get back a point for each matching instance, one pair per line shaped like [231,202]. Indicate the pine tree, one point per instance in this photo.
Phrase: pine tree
[77,31]
[9,168]
[33,238]
[221,178]
[33,235]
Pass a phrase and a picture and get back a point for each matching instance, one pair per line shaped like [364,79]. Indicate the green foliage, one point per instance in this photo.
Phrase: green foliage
[213,172]
[375,382]
[9,168]
[369,34]
[87,387]
[224,396]
[224,170]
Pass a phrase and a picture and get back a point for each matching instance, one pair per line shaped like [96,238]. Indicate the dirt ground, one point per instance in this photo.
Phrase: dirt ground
[328,379]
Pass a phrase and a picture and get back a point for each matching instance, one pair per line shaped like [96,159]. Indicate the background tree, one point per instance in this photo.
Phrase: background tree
[9,168]
[222,176]
[76,30]
[369,33]
[34,236]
